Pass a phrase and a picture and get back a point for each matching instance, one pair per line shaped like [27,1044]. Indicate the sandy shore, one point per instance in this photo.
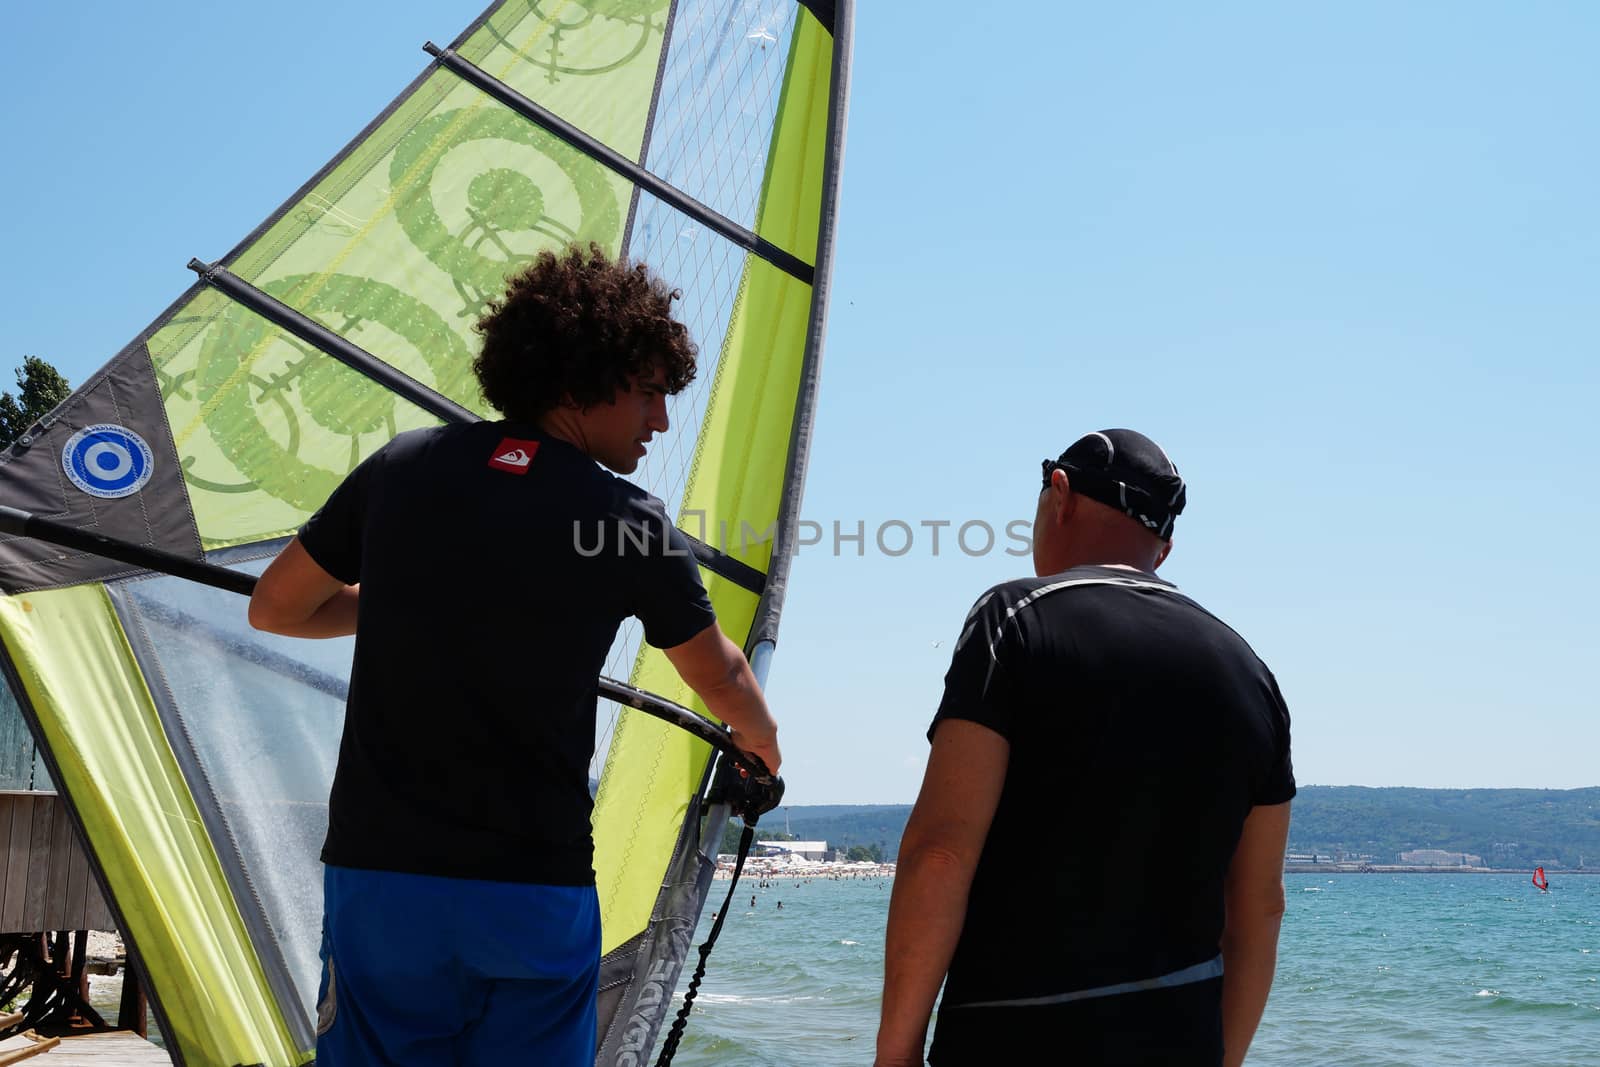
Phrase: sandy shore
[762,868]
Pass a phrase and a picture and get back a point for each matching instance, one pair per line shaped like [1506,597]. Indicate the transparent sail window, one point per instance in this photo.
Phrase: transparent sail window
[254,720]
[719,95]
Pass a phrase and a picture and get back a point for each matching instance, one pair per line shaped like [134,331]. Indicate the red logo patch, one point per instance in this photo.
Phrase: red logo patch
[513,454]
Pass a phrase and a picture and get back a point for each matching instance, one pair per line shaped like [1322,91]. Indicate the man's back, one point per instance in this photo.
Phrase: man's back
[1142,731]
[496,564]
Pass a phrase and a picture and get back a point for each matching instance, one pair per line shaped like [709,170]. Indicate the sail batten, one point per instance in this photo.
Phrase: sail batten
[325,340]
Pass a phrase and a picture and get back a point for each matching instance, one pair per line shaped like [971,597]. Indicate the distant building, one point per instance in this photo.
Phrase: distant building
[815,851]
[1438,857]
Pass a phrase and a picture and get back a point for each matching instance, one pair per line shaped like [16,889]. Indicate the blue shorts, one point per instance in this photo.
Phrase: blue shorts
[421,970]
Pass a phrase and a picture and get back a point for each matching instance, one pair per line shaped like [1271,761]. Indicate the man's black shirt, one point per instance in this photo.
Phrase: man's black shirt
[496,564]
[1142,730]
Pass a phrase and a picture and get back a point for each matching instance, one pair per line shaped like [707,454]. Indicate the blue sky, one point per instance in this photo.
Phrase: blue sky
[1340,262]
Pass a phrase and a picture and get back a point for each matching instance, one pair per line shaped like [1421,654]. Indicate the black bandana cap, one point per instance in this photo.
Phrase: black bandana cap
[1124,469]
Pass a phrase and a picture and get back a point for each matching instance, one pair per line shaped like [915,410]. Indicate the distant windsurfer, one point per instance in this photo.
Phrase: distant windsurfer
[1096,693]
[459,856]
[1540,881]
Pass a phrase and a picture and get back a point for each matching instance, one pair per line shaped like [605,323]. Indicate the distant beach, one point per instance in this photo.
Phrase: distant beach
[765,868]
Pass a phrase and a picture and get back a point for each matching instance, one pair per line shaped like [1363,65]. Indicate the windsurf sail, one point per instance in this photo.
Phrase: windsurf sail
[702,137]
[1540,880]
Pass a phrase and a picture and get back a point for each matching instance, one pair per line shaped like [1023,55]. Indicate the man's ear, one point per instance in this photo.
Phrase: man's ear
[1166,550]
[1064,502]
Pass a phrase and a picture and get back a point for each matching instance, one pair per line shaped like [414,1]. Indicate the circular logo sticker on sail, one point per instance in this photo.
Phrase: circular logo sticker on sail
[107,461]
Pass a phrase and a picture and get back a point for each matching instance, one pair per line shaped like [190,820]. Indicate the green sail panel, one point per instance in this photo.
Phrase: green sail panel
[593,64]
[264,425]
[401,245]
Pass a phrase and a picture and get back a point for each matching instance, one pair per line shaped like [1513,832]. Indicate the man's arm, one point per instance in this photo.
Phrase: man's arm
[297,598]
[1254,896]
[717,671]
[938,855]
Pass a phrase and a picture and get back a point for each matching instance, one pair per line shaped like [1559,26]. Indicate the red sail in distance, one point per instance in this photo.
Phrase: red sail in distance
[1540,880]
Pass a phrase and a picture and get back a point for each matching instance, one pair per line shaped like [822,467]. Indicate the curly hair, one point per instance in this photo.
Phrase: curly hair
[578,326]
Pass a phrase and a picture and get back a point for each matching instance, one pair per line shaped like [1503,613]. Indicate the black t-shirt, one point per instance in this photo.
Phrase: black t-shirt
[496,564]
[1142,730]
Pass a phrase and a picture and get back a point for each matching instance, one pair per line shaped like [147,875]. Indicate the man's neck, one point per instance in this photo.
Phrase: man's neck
[561,425]
[1116,565]
[1108,554]
[1110,546]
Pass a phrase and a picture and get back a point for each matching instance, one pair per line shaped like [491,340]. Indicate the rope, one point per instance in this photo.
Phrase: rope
[669,1047]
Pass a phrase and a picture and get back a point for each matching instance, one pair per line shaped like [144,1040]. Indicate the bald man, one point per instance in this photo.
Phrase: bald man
[1094,866]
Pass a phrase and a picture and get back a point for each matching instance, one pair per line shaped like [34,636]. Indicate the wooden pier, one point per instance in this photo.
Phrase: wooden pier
[118,1048]
[49,901]
[45,881]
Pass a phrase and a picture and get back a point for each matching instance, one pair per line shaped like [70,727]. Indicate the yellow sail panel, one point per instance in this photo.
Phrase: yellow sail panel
[100,723]
[735,485]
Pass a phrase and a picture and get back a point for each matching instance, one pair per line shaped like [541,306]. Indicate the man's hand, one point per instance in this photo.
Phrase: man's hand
[764,749]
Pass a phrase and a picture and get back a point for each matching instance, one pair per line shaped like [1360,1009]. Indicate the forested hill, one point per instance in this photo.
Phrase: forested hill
[843,825]
[1507,827]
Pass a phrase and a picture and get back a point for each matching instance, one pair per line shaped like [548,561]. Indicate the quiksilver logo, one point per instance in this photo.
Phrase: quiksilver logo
[514,455]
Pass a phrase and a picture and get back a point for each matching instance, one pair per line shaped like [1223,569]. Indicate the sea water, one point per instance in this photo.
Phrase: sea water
[1403,969]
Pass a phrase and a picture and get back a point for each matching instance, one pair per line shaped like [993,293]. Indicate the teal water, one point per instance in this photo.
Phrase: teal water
[1398,970]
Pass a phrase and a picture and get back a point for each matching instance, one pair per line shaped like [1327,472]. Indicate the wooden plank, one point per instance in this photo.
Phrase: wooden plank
[38,1047]
[78,878]
[96,915]
[7,802]
[116,1049]
[17,865]
[45,811]
[62,842]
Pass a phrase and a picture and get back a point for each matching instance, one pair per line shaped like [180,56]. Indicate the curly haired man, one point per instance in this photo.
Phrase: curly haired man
[459,856]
